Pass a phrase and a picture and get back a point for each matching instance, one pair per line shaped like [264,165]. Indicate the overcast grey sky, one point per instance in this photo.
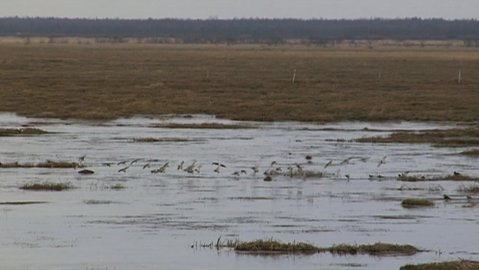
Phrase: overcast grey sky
[449,9]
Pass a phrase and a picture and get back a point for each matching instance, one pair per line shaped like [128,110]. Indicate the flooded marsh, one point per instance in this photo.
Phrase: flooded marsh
[164,188]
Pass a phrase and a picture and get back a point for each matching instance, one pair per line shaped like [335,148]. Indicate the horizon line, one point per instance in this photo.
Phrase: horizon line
[240,18]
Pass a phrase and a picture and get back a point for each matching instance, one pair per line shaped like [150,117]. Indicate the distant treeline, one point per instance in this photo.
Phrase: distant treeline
[245,30]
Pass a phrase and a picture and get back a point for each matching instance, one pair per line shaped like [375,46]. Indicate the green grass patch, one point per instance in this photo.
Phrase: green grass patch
[265,246]
[273,246]
[454,265]
[416,202]
[47,186]
[376,249]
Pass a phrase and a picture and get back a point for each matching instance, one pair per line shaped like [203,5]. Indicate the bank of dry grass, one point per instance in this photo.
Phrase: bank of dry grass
[99,81]
[455,137]
[471,153]
[455,176]
[455,265]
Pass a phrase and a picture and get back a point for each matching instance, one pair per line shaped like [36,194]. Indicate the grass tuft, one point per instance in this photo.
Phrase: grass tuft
[451,177]
[8,132]
[153,140]
[47,186]
[469,189]
[273,246]
[416,202]
[22,203]
[61,164]
[117,187]
[376,249]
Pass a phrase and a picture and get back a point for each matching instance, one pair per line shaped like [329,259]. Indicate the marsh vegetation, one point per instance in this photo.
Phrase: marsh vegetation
[47,186]
[11,132]
[332,84]
[455,137]
[274,246]
[454,265]
[60,164]
[417,202]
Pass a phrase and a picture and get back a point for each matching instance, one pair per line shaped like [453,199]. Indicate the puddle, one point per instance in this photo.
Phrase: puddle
[154,220]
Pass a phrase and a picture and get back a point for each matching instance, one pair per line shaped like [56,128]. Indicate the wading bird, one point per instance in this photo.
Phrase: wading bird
[180,166]
[255,169]
[300,169]
[162,169]
[191,168]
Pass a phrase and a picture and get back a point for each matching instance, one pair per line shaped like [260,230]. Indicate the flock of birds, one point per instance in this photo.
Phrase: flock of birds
[292,170]
[274,169]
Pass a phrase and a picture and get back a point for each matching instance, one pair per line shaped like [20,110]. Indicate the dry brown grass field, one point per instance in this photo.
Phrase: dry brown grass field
[247,82]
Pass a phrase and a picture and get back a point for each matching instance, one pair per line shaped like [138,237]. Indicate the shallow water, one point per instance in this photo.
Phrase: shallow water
[160,221]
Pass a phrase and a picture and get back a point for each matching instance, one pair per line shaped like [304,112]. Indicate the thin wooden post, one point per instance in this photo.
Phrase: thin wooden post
[459,77]
[294,77]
